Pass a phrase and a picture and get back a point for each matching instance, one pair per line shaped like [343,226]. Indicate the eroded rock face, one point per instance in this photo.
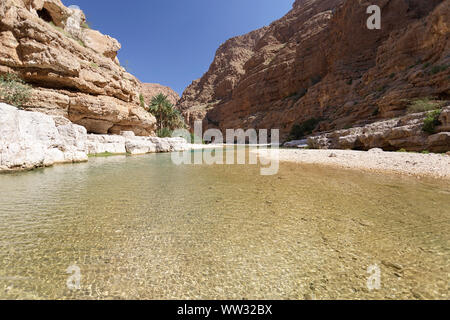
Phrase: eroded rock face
[222,77]
[391,135]
[73,69]
[321,61]
[149,90]
[31,139]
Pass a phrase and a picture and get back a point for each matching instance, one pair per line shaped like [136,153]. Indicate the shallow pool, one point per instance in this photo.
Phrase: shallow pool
[144,228]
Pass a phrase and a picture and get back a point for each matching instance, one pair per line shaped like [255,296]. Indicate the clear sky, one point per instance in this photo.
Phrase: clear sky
[173,42]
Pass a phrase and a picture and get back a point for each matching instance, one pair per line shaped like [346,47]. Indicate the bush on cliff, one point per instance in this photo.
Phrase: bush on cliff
[164,133]
[437,69]
[14,90]
[432,121]
[299,131]
[423,105]
[86,25]
[142,100]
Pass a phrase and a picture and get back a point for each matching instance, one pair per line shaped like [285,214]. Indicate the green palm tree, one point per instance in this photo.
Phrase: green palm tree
[158,107]
[167,117]
[173,119]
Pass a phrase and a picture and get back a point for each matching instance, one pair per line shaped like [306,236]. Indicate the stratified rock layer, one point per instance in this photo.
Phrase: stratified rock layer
[73,69]
[391,135]
[321,61]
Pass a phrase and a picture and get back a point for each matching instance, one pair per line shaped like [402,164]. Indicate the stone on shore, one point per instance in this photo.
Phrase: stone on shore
[296,144]
[129,143]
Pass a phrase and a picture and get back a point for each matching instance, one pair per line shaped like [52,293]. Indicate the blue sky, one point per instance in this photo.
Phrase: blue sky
[173,42]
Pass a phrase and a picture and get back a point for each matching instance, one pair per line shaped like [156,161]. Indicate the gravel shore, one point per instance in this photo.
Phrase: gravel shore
[414,164]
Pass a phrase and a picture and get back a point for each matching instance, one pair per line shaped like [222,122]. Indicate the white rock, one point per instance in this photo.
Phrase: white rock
[30,139]
[128,134]
[296,144]
[97,144]
[140,146]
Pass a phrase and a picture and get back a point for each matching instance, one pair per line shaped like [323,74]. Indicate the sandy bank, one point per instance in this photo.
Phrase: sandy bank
[414,164]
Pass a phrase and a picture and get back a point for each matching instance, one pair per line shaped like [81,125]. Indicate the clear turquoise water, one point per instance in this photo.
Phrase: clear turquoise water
[143,228]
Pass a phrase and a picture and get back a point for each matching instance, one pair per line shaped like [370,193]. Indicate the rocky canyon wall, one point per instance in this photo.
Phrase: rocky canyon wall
[149,90]
[74,70]
[321,61]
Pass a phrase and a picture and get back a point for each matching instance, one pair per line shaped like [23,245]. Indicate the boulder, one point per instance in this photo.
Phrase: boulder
[104,45]
[30,139]
[98,144]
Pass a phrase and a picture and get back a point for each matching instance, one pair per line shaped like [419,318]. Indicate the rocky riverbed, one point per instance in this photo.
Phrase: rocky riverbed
[30,140]
[374,160]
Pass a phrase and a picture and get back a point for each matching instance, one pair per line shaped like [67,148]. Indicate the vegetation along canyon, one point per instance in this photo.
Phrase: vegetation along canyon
[310,161]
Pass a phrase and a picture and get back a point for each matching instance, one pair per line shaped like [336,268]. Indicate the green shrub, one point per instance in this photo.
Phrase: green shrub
[438,69]
[432,121]
[164,133]
[423,105]
[142,100]
[14,90]
[297,95]
[392,76]
[382,88]
[402,150]
[86,25]
[299,131]
[376,112]
[195,138]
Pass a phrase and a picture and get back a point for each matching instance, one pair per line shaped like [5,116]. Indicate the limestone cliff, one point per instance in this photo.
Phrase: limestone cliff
[74,70]
[321,61]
